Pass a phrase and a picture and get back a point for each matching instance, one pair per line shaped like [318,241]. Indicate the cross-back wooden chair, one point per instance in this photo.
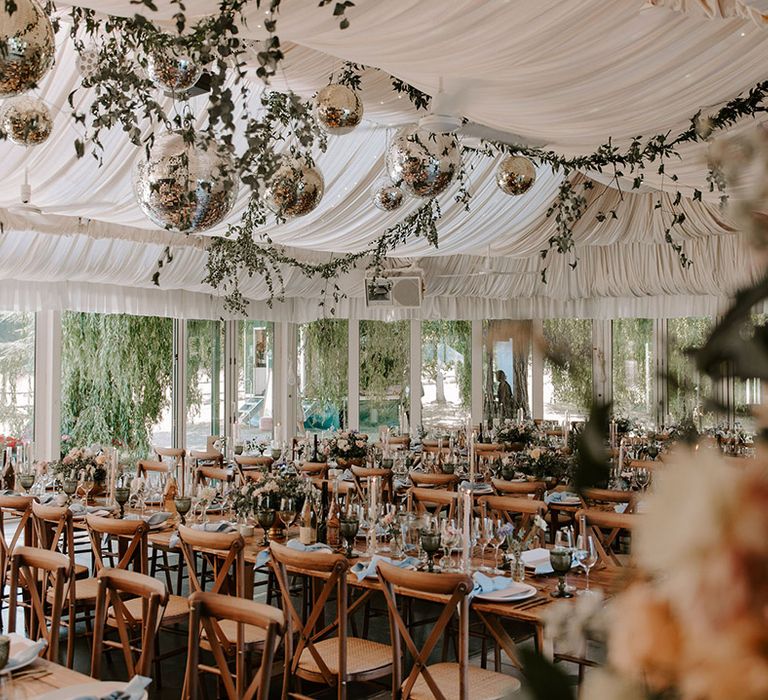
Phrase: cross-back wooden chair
[607,499]
[111,609]
[521,512]
[43,576]
[144,467]
[207,612]
[54,531]
[432,501]
[441,680]
[16,509]
[400,442]
[437,481]
[605,526]
[224,554]
[204,475]
[206,458]
[314,469]
[251,461]
[362,474]
[130,537]
[520,488]
[317,652]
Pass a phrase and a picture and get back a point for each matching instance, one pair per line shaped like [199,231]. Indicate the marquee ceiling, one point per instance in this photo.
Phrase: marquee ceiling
[563,74]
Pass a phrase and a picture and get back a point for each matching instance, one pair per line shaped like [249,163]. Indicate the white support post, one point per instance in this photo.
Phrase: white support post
[47,385]
[179,387]
[285,385]
[415,375]
[353,375]
[602,361]
[537,368]
[477,371]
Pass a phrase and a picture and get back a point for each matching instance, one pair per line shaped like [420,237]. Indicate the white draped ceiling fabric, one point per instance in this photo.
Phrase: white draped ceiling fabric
[564,74]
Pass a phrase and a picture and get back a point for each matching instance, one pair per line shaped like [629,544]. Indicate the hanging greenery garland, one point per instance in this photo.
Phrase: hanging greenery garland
[123,51]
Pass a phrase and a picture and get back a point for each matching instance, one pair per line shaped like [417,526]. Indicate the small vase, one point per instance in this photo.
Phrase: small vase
[518,569]
[396,548]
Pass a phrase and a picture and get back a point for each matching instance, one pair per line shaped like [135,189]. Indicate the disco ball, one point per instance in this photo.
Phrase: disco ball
[515,175]
[173,71]
[184,187]
[27,121]
[294,190]
[338,109]
[387,196]
[423,163]
[27,49]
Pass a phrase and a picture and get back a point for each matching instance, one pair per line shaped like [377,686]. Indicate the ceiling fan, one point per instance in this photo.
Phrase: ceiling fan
[26,206]
[445,117]
[487,270]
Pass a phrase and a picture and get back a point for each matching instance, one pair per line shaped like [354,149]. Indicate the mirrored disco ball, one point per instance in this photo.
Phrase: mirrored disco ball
[183,187]
[27,48]
[387,196]
[516,175]
[27,121]
[338,109]
[295,189]
[423,163]
[173,70]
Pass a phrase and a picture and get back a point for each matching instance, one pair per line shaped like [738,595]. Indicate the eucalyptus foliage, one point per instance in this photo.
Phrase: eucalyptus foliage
[326,361]
[384,360]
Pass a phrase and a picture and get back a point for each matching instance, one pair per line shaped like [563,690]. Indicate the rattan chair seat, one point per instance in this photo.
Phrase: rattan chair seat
[483,684]
[176,610]
[363,656]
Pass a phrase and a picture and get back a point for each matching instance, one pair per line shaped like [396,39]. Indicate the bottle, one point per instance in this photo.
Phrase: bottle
[315,457]
[333,525]
[322,517]
[308,527]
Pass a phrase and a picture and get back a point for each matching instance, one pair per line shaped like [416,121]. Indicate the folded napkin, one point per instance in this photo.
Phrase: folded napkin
[135,689]
[538,560]
[46,498]
[153,519]
[220,526]
[347,475]
[365,569]
[317,547]
[26,655]
[488,584]
[560,496]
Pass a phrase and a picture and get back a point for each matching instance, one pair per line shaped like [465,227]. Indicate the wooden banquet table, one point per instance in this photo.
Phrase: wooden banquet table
[43,676]
[492,614]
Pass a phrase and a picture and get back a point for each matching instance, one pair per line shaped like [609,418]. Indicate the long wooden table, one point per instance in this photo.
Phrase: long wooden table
[43,676]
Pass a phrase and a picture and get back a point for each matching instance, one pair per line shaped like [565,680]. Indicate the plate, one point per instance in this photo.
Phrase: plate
[18,643]
[515,592]
[85,691]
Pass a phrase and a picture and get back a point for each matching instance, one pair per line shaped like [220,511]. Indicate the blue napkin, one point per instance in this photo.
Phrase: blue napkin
[153,519]
[362,569]
[317,547]
[488,584]
[347,475]
[221,526]
[559,496]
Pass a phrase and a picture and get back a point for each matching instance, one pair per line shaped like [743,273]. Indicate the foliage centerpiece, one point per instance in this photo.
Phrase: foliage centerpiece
[348,445]
[81,462]
[542,463]
[520,432]
[268,487]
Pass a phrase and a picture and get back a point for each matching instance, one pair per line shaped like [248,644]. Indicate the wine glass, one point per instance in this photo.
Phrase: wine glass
[266,518]
[27,481]
[643,478]
[561,558]
[484,529]
[430,543]
[564,540]
[86,483]
[69,486]
[586,555]
[287,512]
[498,538]
[348,527]
[122,494]
[182,504]
[451,540]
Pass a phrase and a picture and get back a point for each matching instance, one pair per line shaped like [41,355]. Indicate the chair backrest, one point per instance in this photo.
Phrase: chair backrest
[362,474]
[17,508]
[333,569]
[176,456]
[225,552]
[130,535]
[456,587]
[596,497]
[438,481]
[205,474]
[432,501]
[27,563]
[113,586]
[206,611]
[314,468]
[253,461]
[209,458]
[604,526]
[520,488]
[521,512]
[145,466]
[54,530]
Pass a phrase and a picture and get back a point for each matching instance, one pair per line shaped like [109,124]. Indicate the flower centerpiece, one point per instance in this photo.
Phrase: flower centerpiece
[515,432]
[81,462]
[544,464]
[517,540]
[270,486]
[348,447]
